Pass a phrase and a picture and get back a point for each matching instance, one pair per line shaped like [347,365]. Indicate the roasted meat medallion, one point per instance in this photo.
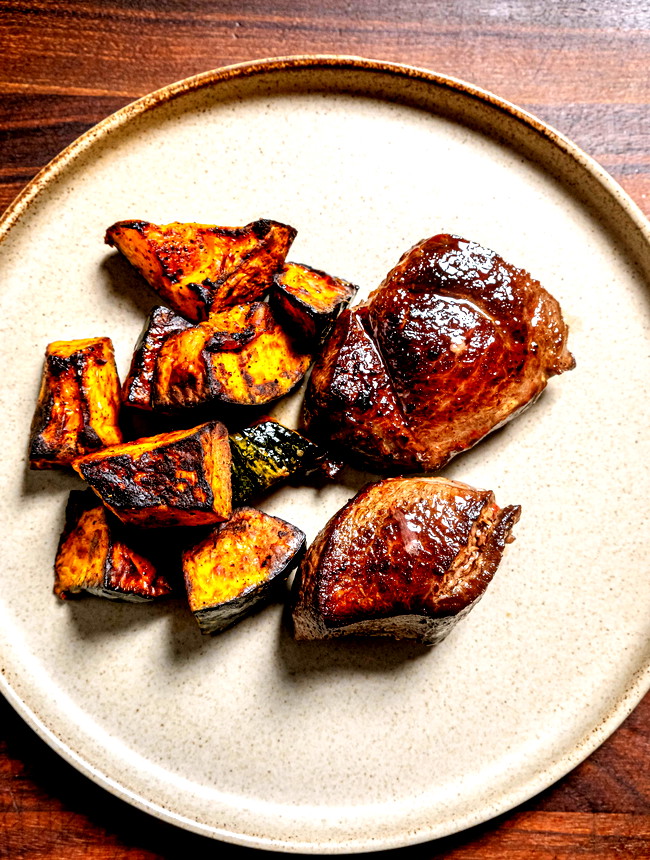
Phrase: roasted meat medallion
[405,558]
[466,341]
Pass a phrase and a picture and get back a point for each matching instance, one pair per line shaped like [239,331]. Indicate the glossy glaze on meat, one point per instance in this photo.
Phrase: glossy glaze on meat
[350,398]
[407,558]
[466,340]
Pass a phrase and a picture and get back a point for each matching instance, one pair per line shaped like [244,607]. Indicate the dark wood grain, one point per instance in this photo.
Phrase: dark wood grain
[582,67]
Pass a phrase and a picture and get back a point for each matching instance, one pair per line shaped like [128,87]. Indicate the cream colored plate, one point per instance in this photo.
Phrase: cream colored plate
[349,746]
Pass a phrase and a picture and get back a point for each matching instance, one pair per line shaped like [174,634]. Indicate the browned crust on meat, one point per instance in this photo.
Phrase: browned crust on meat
[350,401]
[466,341]
[406,558]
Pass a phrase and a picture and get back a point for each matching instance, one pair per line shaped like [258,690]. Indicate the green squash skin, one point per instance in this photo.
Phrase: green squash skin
[263,455]
[216,619]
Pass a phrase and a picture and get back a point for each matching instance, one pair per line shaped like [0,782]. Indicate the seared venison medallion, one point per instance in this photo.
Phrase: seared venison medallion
[78,404]
[405,558]
[172,479]
[100,556]
[350,401]
[309,300]
[466,340]
[201,268]
[238,567]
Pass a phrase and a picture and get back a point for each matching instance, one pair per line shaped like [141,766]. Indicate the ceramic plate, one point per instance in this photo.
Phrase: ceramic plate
[349,746]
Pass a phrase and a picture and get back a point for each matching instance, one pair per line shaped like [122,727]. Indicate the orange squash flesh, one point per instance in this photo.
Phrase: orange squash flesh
[239,356]
[267,368]
[96,555]
[179,479]
[237,567]
[202,268]
[310,300]
[78,404]
[161,324]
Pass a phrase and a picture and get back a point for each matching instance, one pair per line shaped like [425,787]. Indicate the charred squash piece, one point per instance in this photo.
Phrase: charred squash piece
[239,356]
[98,555]
[162,322]
[172,479]
[265,454]
[350,401]
[405,558]
[201,268]
[78,404]
[310,300]
[238,567]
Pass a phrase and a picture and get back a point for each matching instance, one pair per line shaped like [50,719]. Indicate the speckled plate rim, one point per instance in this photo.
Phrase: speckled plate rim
[624,211]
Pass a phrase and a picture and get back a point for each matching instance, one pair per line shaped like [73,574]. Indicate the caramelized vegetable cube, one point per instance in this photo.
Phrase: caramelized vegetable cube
[201,268]
[96,555]
[172,479]
[162,322]
[237,568]
[265,454]
[310,300]
[78,404]
[239,356]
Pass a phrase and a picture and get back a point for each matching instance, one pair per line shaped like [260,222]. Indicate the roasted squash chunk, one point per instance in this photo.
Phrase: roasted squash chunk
[78,404]
[201,268]
[405,558]
[309,299]
[172,479]
[265,454]
[97,555]
[238,566]
[239,356]
[162,323]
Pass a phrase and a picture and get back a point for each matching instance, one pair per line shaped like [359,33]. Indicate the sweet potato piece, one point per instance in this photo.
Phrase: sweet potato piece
[239,356]
[78,404]
[309,299]
[162,322]
[265,454]
[237,568]
[405,558]
[350,402]
[172,479]
[201,268]
[98,555]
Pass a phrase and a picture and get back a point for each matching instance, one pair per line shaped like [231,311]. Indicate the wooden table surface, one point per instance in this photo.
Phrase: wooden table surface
[583,68]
